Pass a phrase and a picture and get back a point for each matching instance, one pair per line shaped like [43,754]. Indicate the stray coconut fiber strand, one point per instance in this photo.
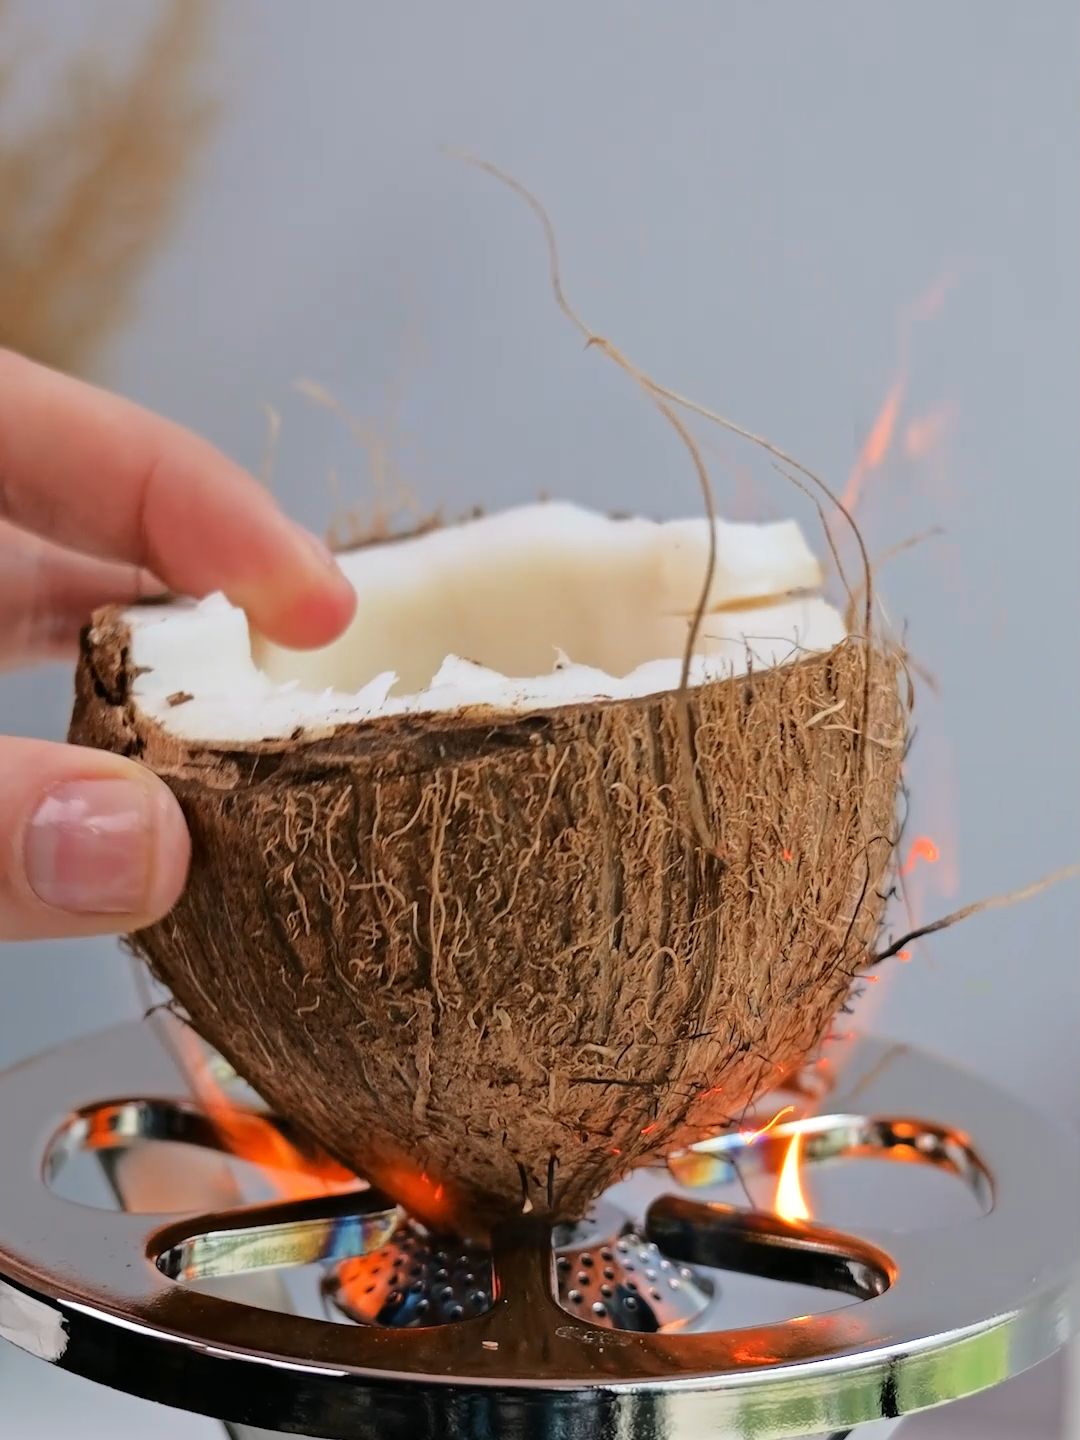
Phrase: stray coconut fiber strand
[784,463]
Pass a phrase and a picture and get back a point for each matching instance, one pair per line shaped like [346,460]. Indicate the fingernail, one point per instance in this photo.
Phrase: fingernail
[90,846]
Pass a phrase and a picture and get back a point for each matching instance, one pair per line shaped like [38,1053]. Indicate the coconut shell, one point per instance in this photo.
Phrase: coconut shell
[485,959]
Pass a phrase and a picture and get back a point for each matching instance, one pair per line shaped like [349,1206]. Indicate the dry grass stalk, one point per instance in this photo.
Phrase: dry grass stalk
[88,192]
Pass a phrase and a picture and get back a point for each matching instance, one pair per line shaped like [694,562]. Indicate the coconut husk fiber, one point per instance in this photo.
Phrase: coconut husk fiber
[487,960]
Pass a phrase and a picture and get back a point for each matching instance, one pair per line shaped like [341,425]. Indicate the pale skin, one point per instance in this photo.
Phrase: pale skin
[103,502]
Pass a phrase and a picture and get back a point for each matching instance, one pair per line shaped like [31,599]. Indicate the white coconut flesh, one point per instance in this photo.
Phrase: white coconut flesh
[528,609]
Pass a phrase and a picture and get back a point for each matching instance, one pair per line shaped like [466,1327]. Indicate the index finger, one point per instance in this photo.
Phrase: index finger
[105,477]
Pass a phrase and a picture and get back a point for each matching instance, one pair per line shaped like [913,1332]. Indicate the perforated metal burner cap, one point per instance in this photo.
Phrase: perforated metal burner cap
[605,1271]
[945,1312]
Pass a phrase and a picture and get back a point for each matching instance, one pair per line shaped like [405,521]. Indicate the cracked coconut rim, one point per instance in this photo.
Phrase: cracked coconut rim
[531,608]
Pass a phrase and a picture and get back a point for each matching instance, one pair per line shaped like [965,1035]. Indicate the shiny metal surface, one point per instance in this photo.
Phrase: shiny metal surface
[949,1312]
[272,1237]
[604,1270]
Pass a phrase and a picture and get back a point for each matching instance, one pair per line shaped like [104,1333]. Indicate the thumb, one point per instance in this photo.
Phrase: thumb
[90,843]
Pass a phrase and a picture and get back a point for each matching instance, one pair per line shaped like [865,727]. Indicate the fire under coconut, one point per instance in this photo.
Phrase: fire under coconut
[449,907]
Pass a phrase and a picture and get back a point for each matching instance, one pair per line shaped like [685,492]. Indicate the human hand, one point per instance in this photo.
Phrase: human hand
[102,502]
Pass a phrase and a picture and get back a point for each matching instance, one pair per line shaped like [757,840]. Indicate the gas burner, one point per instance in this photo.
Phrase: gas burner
[604,1271]
[918,1318]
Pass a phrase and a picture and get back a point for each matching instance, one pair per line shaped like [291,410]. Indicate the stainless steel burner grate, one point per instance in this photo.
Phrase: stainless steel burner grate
[120,1298]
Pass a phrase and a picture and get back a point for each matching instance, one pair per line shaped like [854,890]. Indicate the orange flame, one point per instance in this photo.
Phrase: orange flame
[925,433]
[877,444]
[790,1203]
[932,301]
[749,1136]
[922,435]
[922,848]
[251,1137]
[920,441]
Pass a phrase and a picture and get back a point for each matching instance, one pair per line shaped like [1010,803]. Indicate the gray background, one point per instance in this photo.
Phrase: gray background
[751,198]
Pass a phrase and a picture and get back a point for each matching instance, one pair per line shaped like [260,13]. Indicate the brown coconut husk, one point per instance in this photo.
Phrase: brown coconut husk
[486,960]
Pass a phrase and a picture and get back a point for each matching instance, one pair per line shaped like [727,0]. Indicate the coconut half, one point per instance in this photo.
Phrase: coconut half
[447,906]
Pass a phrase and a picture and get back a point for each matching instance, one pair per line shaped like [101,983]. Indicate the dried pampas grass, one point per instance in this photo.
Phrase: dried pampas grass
[89,190]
